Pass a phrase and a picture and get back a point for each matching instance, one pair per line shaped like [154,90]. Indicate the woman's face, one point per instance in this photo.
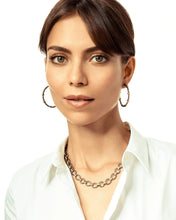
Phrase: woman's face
[85,82]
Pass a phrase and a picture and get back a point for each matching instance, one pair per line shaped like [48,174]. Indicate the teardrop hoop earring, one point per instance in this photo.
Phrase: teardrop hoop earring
[128,92]
[43,97]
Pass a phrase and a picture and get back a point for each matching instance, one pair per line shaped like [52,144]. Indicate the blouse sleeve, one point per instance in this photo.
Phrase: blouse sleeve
[9,208]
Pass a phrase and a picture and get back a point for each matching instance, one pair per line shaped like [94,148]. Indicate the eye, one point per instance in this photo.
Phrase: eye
[99,59]
[58,59]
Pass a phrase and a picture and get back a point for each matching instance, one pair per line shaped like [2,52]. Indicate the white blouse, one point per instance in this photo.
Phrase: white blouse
[44,190]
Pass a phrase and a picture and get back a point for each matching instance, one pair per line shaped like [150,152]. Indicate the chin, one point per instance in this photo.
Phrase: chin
[88,118]
[79,119]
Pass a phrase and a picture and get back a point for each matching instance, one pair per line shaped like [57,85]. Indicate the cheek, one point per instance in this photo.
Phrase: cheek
[55,79]
[109,84]
[56,83]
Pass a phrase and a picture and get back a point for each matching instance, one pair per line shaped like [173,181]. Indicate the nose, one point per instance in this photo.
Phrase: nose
[78,77]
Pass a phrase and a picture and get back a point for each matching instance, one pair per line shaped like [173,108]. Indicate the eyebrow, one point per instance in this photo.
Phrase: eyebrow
[63,49]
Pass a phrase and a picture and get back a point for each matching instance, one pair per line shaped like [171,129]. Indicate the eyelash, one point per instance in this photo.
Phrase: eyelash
[105,57]
[52,58]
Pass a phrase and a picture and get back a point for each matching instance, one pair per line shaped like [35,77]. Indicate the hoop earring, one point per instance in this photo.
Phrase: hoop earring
[128,92]
[43,97]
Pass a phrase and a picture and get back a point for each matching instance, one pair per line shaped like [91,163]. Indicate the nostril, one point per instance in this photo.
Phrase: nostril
[80,83]
[77,84]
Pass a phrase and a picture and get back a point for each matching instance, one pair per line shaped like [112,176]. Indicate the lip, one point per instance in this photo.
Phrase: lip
[78,101]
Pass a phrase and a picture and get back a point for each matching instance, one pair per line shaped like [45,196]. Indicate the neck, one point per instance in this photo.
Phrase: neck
[97,144]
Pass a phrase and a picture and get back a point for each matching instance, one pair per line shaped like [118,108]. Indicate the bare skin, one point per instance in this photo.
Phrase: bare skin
[97,135]
[94,202]
[98,156]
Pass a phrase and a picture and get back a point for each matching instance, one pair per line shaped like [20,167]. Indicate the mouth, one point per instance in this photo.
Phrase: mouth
[79,100]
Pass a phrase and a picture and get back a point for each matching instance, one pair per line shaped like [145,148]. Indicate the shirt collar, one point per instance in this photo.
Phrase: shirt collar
[55,164]
[138,147]
[58,158]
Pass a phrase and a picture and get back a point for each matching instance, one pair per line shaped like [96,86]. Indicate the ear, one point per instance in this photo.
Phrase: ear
[129,68]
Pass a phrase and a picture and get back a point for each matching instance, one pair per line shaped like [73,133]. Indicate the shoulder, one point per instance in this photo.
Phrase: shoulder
[159,148]
[31,173]
[162,159]
[34,174]
[25,183]
[152,150]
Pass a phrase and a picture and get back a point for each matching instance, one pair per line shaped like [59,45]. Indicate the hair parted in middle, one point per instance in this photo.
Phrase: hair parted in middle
[107,21]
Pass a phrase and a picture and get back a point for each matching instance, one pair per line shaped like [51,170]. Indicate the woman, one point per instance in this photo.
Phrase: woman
[105,169]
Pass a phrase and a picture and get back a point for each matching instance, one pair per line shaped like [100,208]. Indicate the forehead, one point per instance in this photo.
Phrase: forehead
[70,32]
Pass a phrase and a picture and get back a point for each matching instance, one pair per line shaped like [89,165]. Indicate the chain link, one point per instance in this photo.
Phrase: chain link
[88,183]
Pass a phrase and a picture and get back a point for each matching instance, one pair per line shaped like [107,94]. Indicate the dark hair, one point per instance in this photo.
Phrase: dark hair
[107,21]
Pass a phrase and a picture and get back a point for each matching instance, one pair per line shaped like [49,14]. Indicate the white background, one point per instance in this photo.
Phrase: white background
[29,130]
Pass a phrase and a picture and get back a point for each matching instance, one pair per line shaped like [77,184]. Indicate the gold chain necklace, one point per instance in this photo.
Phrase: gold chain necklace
[88,183]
